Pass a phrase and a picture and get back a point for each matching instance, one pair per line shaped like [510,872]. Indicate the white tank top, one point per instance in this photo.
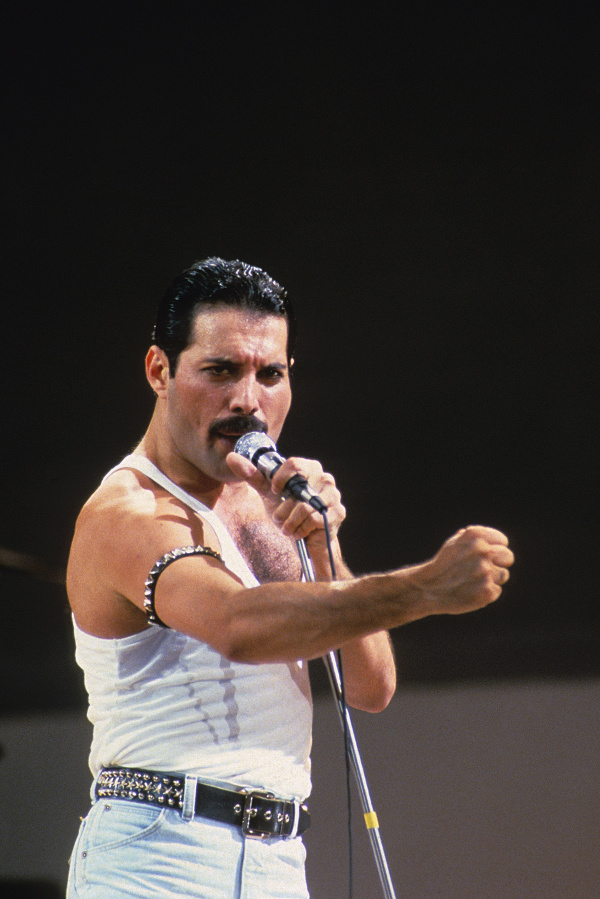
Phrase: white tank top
[164,701]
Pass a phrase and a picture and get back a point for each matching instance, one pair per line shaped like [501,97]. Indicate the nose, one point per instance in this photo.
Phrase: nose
[244,396]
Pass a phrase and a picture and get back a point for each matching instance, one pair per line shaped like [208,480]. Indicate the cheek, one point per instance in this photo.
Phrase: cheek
[188,402]
[281,406]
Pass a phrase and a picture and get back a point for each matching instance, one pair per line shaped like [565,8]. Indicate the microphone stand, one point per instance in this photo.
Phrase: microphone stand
[370,815]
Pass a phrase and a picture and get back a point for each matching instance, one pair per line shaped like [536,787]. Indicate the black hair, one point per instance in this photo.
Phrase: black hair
[215,282]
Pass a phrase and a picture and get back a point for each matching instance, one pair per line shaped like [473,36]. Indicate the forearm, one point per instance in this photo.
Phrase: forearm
[369,672]
[285,622]
[467,573]
[368,666]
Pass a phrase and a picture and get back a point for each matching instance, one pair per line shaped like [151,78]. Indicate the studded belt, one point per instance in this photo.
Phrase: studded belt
[258,814]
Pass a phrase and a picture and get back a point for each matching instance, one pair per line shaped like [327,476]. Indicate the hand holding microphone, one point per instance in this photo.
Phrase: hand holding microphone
[293,518]
[259,449]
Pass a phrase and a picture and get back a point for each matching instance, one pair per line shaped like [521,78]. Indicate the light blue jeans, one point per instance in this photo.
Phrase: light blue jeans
[126,850]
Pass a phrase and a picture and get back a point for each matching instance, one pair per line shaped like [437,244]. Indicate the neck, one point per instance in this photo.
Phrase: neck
[157,446]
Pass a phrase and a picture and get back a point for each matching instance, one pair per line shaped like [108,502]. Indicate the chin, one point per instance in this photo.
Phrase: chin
[218,469]
[229,477]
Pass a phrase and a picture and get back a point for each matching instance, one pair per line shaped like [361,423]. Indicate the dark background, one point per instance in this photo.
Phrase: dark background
[423,180]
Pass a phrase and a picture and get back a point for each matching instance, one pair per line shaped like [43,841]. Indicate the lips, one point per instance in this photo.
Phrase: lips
[222,435]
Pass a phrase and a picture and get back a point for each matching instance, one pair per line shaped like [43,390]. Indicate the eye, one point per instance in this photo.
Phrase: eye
[218,369]
[272,373]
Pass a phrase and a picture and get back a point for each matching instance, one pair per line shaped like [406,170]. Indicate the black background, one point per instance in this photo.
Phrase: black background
[423,180]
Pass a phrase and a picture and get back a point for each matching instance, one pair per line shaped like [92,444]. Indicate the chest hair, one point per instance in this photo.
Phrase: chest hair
[269,554]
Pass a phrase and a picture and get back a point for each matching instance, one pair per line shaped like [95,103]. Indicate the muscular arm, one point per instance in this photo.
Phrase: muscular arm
[368,662]
[123,531]
[285,622]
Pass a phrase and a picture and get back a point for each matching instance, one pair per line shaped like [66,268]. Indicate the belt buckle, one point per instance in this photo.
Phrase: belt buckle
[250,812]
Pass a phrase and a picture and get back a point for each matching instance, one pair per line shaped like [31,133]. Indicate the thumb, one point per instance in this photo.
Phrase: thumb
[246,471]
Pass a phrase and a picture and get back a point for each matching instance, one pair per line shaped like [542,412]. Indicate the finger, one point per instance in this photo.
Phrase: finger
[307,528]
[294,466]
[246,471]
[300,522]
[502,556]
[321,482]
[492,535]
[501,577]
[283,511]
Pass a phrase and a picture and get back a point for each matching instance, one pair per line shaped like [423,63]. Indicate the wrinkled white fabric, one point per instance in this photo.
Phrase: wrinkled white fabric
[164,701]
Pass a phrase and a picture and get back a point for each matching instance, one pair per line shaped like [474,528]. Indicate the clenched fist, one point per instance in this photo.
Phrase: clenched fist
[467,573]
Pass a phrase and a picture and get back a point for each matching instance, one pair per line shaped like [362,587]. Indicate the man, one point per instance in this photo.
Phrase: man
[193,627]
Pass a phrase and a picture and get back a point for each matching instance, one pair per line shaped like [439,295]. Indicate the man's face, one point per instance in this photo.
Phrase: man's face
[233,378]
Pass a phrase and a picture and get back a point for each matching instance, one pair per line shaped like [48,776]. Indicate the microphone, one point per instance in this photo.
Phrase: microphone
[262,452]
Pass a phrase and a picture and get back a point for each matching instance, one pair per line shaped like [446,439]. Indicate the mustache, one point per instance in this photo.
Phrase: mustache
[236,425]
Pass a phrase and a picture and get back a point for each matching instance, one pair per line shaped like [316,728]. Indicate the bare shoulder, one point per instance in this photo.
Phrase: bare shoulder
[125,526]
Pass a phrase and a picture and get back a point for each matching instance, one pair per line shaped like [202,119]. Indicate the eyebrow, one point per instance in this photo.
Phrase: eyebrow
[226,360]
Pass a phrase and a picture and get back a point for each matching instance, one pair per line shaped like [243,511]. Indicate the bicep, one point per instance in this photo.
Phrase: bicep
[195,595]
[116,546]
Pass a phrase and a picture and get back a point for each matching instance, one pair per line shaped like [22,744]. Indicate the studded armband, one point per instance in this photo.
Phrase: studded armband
[160,566]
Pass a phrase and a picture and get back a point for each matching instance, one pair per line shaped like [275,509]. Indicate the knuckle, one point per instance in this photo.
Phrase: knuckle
[489,593]
[487,567]
[279,516]
[481,570]
[311,466]
[480,546]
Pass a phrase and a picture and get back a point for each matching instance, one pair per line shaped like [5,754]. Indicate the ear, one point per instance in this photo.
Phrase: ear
[157,370]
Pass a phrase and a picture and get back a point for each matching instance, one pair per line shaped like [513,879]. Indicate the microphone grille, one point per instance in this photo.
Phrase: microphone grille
[250,443]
